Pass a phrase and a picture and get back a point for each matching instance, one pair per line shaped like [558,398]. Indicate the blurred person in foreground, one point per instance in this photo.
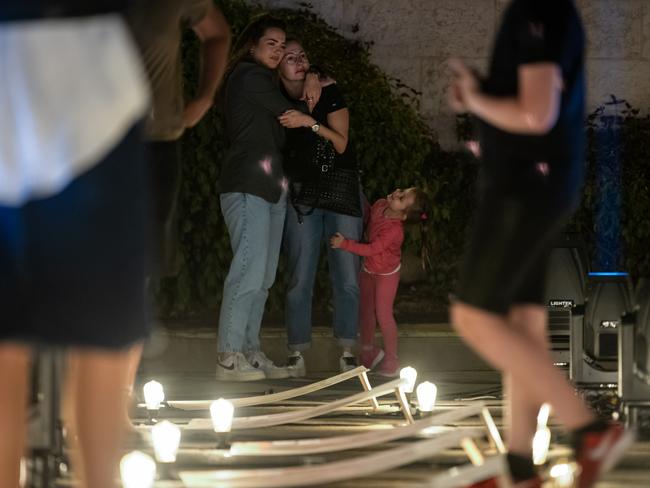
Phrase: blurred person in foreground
[72,210]
[158,27]
[531,112]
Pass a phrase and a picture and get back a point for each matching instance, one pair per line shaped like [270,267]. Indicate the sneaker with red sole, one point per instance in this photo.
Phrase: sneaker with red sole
[598,452]
[372,357]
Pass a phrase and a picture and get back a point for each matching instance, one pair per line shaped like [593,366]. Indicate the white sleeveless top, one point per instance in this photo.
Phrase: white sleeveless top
[69,91]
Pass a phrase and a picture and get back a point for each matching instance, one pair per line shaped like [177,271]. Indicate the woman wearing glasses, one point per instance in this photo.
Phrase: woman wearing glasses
[307,226]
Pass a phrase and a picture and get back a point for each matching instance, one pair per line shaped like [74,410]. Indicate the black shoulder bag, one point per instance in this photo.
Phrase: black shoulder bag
[329,186]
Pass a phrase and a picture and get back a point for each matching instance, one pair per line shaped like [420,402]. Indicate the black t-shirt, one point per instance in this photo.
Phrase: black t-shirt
[301,142]
[252,103]
[535,31]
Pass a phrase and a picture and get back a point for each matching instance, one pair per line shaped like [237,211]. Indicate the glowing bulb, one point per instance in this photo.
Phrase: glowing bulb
[166,438]
[154,395]
[542,439]
[541,443]
[563,474]
[222,412]
[411,375]
[426,393]
[543,415]
[137,470]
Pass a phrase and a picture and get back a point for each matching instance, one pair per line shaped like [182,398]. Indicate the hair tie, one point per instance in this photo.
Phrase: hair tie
[424,216]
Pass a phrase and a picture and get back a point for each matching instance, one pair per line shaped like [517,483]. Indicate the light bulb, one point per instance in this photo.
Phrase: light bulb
[543,415]
[411,375]
[541,443]
[154,395]
[166,438]
[137,470]
[222,412]
[563,475]
[426,393]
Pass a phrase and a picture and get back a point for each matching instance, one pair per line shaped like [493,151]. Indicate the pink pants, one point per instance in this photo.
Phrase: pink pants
[377,297]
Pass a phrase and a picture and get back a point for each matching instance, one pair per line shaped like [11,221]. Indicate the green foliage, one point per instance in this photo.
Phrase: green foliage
[391,140]
[395,149]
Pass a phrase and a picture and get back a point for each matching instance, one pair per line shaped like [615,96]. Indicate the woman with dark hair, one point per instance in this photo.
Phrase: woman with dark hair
[253,198]
[306,227]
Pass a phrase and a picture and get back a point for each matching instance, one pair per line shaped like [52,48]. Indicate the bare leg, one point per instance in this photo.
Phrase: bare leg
[14,365]
[516,354]
[135,353]
[97,380]
[521,410]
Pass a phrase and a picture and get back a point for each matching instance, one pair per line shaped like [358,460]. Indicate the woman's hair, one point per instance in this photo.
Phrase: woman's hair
[251,35]
[418,212]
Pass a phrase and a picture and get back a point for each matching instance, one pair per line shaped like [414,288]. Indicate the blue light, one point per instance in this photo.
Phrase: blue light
[608,273]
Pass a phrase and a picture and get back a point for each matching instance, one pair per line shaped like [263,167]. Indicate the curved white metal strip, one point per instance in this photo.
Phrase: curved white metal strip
[354,441]
[273,397]
[328,472]
[294,416]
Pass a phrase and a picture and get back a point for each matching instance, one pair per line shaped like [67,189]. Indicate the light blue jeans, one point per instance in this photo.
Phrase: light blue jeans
[255,228]
[302,243]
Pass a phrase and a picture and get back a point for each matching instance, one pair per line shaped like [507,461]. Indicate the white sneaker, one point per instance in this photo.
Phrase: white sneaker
[235,367]
[259,361]
[347,362]
[296,365]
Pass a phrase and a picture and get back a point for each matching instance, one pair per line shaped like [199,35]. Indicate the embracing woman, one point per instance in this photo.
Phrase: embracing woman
[325,199]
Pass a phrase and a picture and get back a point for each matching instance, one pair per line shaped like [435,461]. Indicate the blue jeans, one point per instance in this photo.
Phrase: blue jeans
[255,228]
[302,243]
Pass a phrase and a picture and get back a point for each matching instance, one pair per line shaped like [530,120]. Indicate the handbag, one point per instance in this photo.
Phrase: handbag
[329,186]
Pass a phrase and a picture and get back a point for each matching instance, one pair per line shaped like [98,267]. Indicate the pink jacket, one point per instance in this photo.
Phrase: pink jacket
[384,250]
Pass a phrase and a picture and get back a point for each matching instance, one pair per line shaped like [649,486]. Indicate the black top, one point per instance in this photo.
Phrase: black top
[301,142]
[38,9]
[536,31]
[253,102]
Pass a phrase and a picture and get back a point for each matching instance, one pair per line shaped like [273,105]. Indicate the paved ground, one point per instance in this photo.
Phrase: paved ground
[199,449]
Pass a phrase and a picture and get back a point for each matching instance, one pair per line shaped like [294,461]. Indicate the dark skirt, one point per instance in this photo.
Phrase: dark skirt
[72,265]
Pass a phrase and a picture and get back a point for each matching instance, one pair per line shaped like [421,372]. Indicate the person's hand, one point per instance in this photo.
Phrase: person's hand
[295,118]
[463,85]
[311,91]
[195,110]
[336,240]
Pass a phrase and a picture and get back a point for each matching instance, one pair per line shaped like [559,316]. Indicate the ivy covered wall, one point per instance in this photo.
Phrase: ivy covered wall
[395,148]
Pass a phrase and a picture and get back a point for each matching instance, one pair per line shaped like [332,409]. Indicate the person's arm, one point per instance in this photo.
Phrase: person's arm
[377,246]
[533,111]
[214,33]
[312,89]
[336,133]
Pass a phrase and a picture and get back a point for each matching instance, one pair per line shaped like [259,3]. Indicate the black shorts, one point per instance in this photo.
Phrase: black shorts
[506,257]
[72,265]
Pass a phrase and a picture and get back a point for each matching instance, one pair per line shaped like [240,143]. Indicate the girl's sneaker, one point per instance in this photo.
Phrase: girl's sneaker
[389,367]
[371,357]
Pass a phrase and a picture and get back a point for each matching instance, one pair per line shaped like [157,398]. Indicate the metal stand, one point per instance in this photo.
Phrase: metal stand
[45,429]
[633,375]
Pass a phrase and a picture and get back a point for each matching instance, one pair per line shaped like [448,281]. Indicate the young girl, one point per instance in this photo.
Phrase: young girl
[380,274]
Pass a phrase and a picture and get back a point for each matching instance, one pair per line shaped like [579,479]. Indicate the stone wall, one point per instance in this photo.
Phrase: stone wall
[413,38]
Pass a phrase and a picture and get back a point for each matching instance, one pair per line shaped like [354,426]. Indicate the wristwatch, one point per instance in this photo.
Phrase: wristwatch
[315,127]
